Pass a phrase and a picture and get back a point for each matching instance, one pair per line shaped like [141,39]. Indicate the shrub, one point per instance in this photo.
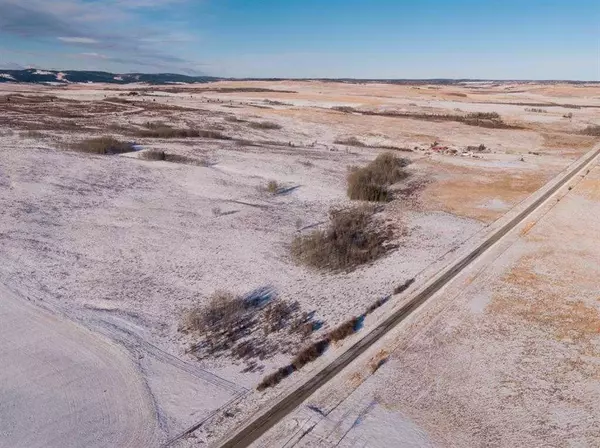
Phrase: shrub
[345,109]
[484,115]
[344,330]
[153,154]
[264,125]
[104,145]
[593,130]
[309,353]
[34,135]
[156,125]
[207,133]
[234,119]
[371,183]
[273,187]
[303,325]
[275,378]
[404,286]
[352,238]
[483,119]
[377,304]
[222,311]
[165,131]
[277,315]
[350,141]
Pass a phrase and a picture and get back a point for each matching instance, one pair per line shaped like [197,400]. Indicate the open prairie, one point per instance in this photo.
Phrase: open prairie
[184,225]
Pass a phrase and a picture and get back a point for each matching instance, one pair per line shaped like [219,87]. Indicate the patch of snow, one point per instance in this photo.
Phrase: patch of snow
[383,428]
[496,204]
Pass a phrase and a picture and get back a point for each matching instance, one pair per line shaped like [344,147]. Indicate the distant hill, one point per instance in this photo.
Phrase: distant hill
[32,75]
[77,76]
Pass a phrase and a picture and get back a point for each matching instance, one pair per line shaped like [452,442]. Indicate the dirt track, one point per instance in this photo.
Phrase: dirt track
[62,386]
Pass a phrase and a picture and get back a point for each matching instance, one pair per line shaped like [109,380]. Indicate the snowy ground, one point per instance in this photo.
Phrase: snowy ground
[506,356]
[124,246]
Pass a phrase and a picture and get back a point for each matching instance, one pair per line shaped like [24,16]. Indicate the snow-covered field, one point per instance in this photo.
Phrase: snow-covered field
[506,356]
[124,246]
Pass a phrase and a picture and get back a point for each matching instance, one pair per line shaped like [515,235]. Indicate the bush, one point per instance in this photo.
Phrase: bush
[275,378]
[350,141]
[273,187]
[234,119]
[484,115]
[264,125]
[483,119]
[207,133]
[352,238]
[153,155]
[404,286]
[277,315]
[222,312]
[165,131]
[345,109]
[156,125]
[344,330]
[593,130]
[104,145]
[371,183]
[309,354]
[34,135]
[377,304]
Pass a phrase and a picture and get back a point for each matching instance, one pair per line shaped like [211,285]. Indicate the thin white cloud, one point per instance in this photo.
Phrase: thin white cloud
[130,40]
[78,40]
[93,55]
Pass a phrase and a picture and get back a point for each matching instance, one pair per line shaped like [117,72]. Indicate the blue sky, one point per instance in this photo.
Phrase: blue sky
[500,39]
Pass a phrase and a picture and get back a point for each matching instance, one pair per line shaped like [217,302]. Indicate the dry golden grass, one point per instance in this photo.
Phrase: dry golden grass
[544,309]
[465,190]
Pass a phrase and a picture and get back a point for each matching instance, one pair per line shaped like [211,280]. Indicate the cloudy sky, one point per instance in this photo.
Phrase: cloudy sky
[501,39]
